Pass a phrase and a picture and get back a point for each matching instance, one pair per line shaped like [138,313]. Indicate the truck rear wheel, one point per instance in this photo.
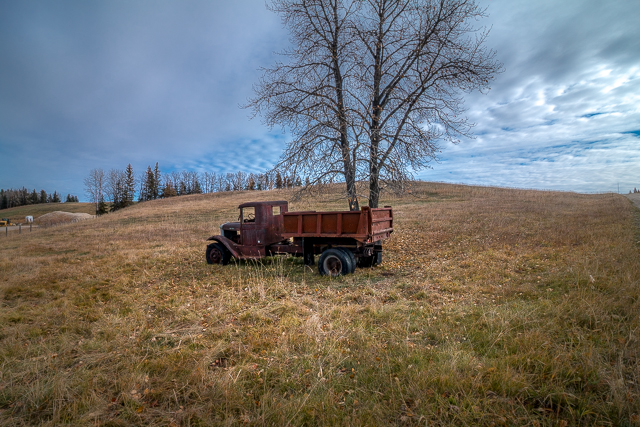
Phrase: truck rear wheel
[377,259]
[334,262]
[352,259]
[217,254]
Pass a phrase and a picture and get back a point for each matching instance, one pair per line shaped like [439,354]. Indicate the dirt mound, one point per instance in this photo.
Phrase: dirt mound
[59,217]
[635,198]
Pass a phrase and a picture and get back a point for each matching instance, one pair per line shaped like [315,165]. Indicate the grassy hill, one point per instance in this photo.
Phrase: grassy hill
[492,307]
[17,215]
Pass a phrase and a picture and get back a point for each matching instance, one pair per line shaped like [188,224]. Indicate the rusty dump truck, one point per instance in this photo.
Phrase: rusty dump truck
[344,240]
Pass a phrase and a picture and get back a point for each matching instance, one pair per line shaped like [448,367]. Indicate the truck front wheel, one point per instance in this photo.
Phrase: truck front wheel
[217,254]
[334,262]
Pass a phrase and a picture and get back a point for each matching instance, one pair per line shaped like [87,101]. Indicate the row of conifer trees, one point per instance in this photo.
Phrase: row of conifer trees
[117,189]
[11,198]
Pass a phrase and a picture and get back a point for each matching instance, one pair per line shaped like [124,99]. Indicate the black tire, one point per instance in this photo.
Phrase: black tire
[365,261]
[352,259]
[377,259]
[334,262]
[217,254]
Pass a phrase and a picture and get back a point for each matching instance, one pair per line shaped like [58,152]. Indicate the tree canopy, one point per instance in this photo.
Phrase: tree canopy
[370,88]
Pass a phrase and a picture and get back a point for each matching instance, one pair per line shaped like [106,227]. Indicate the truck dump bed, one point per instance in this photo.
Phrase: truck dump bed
[366,226]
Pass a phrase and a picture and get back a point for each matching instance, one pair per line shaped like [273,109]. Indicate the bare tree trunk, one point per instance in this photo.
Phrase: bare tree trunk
[349,167]
[307,96]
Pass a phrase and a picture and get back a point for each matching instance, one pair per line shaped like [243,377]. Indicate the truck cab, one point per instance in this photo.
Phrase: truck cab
[259,225]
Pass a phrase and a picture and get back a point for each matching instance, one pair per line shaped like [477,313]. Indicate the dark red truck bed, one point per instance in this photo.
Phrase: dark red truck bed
[366,226]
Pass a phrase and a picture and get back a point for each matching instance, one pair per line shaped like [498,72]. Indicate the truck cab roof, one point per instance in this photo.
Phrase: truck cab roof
[256,204]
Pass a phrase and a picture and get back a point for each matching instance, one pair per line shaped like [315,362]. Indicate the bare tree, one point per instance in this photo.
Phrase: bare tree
[308,95]
[239,181]
[209,179]
[222,182]
[418,58]
[175,181]
[372,86]
[94,186]
[195,185]
[114,188]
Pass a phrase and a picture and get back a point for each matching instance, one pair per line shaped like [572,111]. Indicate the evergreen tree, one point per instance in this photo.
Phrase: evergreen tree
[129,187]
[148,185]
[102,206]
[43,197]
[168,190]
[155,191]
[118,196]
[23,196]
[278,180]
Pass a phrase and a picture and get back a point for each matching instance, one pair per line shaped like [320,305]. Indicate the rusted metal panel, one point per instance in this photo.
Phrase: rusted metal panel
[240,251]
[381,221]
[270,203]
[228,243]
[266,226]
[366,225]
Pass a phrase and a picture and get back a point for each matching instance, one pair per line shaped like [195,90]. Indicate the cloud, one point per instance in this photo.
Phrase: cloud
[561,114]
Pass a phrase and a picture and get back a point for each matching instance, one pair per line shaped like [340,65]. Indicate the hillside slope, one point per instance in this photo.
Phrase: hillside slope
[17,215]
[491,307]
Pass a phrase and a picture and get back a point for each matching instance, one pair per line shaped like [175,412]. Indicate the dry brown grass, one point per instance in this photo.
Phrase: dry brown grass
[492,307]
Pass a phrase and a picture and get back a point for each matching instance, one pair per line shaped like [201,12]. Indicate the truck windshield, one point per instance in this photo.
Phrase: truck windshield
[249,214]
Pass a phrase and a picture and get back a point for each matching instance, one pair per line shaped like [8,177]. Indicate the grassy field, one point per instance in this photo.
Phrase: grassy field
[16,215]
[492,307]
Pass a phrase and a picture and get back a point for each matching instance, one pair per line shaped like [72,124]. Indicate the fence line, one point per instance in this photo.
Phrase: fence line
[43,225]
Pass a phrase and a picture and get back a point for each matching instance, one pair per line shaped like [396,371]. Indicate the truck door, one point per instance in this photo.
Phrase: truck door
[252,231]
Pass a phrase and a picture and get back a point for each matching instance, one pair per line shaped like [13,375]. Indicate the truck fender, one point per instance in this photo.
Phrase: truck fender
[229,244]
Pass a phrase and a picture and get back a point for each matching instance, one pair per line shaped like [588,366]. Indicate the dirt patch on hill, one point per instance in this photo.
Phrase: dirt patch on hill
[59,217]
[635,198]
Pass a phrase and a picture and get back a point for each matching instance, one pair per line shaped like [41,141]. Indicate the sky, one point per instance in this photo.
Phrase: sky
[101,84]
